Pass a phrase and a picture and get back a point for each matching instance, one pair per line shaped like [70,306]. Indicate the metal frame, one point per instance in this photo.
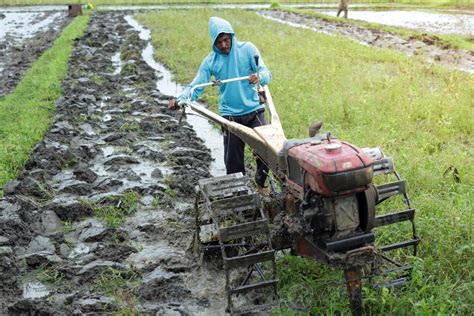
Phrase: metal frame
[267,141]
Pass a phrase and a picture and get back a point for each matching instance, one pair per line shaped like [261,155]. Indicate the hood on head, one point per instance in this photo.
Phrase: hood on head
[216,27]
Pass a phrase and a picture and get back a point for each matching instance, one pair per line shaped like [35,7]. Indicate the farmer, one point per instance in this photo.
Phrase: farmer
[238,101]
[343,4]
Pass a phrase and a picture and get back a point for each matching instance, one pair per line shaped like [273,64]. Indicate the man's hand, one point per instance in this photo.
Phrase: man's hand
[173,104]
[253,79]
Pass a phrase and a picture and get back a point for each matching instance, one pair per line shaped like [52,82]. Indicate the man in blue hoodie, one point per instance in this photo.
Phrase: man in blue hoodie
[239,100]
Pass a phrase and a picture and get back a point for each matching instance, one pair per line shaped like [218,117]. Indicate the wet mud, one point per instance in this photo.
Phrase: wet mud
[428,47]
[23,39]
[101,218]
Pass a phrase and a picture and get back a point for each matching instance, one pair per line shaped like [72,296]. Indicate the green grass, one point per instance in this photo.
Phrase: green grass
[116,212]
[49,275]
[420,114]
[25,114]
[121,286]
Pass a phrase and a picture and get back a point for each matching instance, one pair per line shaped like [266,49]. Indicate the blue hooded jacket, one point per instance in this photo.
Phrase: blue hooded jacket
[235,98]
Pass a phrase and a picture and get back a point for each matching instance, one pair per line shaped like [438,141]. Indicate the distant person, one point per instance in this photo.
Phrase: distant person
[343,5]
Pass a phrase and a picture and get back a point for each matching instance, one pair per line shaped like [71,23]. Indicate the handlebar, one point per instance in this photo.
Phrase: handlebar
[221,82]
[215,83]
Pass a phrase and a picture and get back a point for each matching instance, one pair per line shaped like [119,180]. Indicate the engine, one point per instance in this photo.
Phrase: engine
[333,181]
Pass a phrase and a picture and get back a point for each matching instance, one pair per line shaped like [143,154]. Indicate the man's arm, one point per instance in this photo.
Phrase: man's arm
[203,75]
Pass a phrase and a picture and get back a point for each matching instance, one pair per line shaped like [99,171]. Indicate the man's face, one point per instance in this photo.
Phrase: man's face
[224,43]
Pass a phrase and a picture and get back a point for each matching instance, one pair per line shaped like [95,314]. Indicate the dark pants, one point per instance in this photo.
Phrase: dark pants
[234,147]
[339,12]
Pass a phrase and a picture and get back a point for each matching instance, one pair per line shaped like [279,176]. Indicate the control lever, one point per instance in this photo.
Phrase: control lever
[261,92]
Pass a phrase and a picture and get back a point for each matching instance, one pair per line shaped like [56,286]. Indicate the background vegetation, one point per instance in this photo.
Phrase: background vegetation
[420,114]
[25,114]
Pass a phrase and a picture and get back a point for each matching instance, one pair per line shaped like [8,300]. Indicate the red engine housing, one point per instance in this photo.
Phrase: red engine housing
[330,168]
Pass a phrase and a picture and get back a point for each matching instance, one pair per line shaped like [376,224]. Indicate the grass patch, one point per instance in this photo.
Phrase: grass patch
[25,114]
[116,212]
[121,286]
[50,275]
[420,114]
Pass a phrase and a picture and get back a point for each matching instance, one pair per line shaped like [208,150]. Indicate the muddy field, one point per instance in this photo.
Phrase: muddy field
[424,21]
[113,149]
[101,218]
[24,36]
[424,46]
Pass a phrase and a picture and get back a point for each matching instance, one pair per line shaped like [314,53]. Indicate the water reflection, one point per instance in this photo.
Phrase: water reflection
[24,25]
[34,290]
[207,132]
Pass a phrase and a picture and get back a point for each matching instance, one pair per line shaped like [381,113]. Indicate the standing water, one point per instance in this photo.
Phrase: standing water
[205,130]
[34,290]
[438,23]
[22,25]
[17,27]
[456,58]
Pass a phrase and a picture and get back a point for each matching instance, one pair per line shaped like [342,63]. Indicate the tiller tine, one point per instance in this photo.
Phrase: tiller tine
[384,192]
[229,217]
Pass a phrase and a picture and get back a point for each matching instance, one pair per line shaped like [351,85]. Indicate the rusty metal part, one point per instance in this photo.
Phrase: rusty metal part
[359,257]
[306,248]
[290,205]
[354,289]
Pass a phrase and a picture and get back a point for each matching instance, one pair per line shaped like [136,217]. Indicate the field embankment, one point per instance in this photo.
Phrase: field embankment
[24,37]
[25,114]
[420,114]
[450,50]
[443,41]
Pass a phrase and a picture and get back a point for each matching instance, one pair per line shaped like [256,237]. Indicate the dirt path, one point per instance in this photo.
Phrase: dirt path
[24,38]
[424,47]
[116,152]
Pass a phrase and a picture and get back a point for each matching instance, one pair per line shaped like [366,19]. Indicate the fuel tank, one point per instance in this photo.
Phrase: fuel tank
[330,167]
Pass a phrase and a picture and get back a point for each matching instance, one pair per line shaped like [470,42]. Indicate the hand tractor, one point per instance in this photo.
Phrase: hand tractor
[323,207]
